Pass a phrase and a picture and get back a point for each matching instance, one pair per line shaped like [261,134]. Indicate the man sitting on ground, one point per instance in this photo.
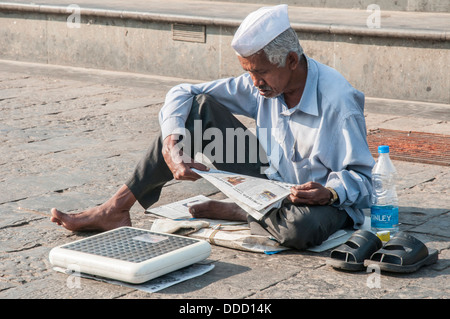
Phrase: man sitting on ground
[309,122]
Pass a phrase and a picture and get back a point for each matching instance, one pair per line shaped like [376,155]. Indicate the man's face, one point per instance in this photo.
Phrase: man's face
[270,79]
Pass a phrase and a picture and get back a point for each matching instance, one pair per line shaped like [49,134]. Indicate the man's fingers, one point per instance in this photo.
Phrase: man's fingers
[184,171]
[308,193]
[305,193]
[307,186]
[199,166]
[299,200]
[185,175]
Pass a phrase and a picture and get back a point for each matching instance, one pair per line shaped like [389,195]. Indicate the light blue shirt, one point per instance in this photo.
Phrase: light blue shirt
[322,139]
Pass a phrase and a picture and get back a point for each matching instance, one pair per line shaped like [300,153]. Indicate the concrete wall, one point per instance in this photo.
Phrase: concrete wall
[416,70]
[381,67]
[391,5]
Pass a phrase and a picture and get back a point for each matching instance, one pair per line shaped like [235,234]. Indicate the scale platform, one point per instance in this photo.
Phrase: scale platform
[130,254]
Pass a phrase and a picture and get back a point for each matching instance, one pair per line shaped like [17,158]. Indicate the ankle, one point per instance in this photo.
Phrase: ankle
[124,199]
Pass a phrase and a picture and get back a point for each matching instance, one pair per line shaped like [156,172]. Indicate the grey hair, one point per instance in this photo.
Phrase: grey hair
[278,49]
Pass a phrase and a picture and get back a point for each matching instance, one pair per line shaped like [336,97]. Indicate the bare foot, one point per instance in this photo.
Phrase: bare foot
[112,214]
[218,210]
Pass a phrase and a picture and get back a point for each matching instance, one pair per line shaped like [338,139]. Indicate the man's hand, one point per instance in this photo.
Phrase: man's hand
[180,164]
[310,193]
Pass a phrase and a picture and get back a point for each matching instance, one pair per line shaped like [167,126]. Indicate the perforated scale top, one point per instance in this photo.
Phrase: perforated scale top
[130,244]
[130,254]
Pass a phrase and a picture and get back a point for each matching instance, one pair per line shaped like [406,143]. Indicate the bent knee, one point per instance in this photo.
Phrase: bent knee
[300,227]
[301,233]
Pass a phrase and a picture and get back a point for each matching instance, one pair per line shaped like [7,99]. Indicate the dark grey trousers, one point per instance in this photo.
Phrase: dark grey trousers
[294,226]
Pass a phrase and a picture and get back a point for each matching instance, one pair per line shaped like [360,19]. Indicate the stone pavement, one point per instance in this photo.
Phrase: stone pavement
[69,139]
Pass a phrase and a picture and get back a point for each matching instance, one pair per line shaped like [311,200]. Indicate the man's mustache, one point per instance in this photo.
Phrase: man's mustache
[264,88]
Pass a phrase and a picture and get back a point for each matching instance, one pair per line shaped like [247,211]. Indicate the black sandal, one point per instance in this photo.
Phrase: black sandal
[403,254]
[351,255]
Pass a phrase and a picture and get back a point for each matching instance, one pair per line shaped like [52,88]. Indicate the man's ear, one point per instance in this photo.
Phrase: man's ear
[292,60]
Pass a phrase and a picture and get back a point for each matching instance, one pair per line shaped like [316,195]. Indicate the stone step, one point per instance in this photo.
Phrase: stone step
[386,54]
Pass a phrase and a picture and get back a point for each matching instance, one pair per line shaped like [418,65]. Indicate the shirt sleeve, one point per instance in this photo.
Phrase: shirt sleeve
[351,163]
[237,94]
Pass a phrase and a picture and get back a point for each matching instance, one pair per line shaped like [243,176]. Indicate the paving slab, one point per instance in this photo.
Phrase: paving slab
[74,149]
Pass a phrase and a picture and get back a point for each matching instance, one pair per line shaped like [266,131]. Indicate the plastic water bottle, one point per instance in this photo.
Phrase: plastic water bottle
[384,210]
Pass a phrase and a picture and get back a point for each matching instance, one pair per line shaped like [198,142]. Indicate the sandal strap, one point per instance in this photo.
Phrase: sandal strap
[402,249]
[358,247]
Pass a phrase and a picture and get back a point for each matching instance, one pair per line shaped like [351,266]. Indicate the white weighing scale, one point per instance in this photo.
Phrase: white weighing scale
[130,254]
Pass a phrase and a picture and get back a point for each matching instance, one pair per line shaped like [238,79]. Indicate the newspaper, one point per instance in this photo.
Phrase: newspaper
[153,285]
[255,195]
[179,209]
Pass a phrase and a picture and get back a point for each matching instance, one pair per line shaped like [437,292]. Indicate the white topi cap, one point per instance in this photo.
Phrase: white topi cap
[259,28]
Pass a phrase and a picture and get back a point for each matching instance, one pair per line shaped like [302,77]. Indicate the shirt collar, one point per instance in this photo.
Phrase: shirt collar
[308,102]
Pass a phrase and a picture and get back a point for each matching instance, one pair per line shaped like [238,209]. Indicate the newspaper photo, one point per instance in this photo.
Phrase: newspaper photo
[255,195]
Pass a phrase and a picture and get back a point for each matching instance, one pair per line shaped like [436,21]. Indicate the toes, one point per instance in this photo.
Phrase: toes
[55,214]
[195,210]
[56,221]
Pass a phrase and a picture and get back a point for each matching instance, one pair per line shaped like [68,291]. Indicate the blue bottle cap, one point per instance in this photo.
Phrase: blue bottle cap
[383,149]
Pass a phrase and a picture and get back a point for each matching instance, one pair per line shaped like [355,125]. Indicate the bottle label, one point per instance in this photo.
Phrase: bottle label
[384,216]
